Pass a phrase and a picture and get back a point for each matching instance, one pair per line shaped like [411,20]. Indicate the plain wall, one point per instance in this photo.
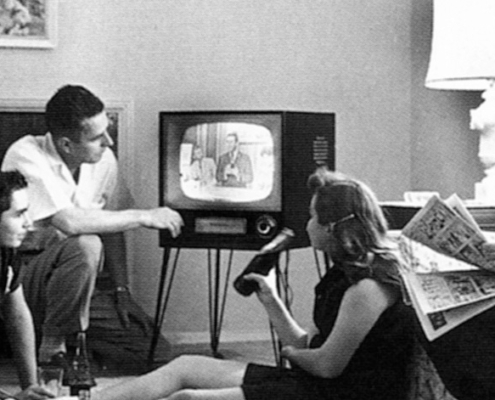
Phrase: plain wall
[364,61]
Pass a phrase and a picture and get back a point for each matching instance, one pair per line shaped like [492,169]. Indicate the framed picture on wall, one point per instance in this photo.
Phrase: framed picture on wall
[28,23]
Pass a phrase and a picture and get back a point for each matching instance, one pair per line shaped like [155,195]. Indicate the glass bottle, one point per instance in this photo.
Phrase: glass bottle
[81,381]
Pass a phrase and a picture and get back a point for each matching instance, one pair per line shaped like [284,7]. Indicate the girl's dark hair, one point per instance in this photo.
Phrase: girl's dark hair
[68,108]
[338,196]
[10,181]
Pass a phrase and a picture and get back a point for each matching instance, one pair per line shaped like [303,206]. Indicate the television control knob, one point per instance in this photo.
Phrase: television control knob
[266,226]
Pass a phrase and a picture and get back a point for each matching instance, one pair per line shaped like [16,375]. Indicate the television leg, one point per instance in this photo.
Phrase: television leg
[217,298]
[162,301]
[284,290]
[282,276]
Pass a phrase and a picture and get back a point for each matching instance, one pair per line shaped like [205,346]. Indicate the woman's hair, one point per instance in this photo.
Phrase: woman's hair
[10,181]
[68,108]
[338,196]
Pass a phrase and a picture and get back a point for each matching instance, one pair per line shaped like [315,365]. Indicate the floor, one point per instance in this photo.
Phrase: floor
[259,352]
[107,373]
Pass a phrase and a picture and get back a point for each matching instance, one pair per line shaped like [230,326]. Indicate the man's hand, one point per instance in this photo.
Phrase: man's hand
[123,304]
[34,392]
[164,218]
[233,171]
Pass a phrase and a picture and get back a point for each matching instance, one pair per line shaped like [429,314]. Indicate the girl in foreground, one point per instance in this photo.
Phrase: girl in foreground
[363,340]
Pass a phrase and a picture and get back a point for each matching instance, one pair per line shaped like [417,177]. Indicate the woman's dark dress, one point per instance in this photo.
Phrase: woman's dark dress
[378,368]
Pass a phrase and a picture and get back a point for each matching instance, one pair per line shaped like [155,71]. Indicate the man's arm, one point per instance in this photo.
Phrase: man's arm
[77,221]
[220,169]
[20,330]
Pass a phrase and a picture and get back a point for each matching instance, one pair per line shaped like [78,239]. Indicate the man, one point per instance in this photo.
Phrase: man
[234,167]
[75,208]
[14,225]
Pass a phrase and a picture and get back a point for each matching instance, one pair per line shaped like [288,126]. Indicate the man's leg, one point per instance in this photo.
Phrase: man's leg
[59,284]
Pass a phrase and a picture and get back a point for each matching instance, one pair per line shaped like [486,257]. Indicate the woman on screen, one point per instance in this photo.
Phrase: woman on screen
[203,169]
[362,339]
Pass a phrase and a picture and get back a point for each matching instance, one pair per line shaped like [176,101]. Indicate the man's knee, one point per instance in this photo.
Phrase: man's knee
[87,248]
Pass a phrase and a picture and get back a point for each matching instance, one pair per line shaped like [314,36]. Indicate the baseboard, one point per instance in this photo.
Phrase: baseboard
[179,338]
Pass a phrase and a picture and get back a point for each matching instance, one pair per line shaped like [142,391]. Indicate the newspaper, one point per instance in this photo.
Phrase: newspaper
[440,282]
[458,206]
[447,278]
[439,323]
[446,230]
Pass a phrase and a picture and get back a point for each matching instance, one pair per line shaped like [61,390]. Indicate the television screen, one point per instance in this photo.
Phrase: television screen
[238,177]
[230,164]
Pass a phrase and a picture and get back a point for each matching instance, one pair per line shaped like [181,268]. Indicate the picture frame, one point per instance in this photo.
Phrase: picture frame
[28,23]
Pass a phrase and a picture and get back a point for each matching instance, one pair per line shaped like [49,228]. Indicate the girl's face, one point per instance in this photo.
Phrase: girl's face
[319,236]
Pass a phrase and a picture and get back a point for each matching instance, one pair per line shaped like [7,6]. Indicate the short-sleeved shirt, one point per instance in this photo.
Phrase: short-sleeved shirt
[52,187]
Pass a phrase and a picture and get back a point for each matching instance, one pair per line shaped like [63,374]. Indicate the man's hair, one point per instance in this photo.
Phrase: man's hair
[68,108]
[10,181]
[234,135]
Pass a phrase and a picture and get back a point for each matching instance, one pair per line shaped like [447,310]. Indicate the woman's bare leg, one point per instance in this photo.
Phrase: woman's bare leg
[185,372]
[208,394]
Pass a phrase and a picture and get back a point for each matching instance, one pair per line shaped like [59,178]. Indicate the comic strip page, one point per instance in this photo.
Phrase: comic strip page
[440,227]
[447,278]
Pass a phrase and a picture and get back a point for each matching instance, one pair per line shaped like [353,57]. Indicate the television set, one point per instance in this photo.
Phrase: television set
[239,177]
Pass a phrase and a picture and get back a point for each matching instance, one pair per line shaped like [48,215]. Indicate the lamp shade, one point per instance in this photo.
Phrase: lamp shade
[463,45]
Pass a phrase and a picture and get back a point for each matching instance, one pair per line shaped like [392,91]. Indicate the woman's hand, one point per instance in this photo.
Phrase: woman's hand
[267,285]
[286,352]
[34,392]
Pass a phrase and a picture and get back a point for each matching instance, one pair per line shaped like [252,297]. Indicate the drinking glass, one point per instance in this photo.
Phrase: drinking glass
[50,378]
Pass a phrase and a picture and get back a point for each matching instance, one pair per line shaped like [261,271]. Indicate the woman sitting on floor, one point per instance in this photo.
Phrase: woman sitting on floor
[364,334]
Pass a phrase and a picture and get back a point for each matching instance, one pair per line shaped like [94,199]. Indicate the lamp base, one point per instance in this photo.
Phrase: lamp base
[483,120]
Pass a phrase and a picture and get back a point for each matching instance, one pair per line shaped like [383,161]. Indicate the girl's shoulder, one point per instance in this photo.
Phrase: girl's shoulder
[383,268]
[386,269]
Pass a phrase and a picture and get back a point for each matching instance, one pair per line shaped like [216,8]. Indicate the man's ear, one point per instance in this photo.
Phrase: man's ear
[64,144]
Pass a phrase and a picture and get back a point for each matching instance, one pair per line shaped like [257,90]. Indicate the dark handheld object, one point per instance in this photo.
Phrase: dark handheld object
[263,262]
[80,379]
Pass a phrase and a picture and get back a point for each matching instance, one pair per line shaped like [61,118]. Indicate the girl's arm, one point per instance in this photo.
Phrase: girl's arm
[361,306]
[288,330]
